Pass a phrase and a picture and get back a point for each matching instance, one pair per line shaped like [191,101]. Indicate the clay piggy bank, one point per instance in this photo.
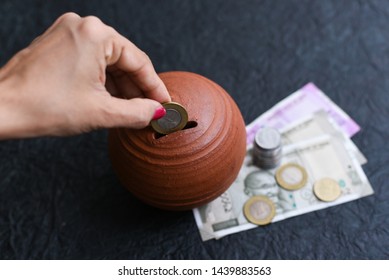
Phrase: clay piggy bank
[190,167]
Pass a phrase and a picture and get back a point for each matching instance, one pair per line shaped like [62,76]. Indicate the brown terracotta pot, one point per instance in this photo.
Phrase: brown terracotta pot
[193,166]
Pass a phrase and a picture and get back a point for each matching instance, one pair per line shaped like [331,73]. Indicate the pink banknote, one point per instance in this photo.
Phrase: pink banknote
[305,101]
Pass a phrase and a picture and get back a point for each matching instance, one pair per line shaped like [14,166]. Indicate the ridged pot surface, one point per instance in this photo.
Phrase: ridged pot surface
[193,166]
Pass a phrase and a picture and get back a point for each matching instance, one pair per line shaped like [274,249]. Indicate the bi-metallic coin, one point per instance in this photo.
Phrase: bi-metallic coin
[259,210]
[326,189]
[175,119]
[291,176]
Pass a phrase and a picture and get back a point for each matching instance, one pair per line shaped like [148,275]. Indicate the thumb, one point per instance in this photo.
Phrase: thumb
[131,113]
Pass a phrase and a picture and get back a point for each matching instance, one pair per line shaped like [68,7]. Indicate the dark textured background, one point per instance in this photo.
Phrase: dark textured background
[59,197]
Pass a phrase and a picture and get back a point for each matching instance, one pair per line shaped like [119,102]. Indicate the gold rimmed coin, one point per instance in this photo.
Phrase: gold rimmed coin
[259,210]
[175,119]
[291,176]
[326,189]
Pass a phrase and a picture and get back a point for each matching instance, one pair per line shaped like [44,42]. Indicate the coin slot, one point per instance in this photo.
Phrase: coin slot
[189,125]
[158,135]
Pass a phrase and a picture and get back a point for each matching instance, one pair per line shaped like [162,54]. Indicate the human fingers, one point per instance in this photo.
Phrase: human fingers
[133,113]
[121,56]
[119,84]
[125,56]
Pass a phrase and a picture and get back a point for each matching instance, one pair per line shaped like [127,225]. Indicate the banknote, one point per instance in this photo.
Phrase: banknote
[323,156]
[303,102]
[317,124]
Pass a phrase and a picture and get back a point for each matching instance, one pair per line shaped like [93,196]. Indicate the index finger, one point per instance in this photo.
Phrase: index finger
[124,55]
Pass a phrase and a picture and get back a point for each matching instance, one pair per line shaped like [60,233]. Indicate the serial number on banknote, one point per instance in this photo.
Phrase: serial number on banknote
[241,270]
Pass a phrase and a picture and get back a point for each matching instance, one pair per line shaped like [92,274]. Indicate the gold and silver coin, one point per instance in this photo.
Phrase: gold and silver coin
[175,119]
[291,176]
[326,189]
[259,210]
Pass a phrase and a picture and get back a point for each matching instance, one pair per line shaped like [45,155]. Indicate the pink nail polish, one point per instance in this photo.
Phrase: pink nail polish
[159,113]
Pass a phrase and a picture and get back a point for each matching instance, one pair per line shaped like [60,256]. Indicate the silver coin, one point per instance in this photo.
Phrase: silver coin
[268,138]
[171,120]
[268,154]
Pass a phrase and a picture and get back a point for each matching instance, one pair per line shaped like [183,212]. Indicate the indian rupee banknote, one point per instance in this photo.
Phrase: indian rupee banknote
[306,101]
[324,156]
[314,125]
[315,134]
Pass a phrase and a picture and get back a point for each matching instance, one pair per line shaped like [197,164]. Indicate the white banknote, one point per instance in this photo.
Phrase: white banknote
[306,101]
[314,125]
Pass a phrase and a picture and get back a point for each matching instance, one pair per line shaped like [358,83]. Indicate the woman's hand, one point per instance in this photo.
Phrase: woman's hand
[78,76]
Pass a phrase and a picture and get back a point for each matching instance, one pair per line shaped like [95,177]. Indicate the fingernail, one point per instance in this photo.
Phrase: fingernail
[159,113]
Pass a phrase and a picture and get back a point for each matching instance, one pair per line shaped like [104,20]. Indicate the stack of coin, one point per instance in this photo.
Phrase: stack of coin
[267,150]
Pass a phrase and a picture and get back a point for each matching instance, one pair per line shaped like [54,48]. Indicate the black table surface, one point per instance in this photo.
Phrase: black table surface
[60,198]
